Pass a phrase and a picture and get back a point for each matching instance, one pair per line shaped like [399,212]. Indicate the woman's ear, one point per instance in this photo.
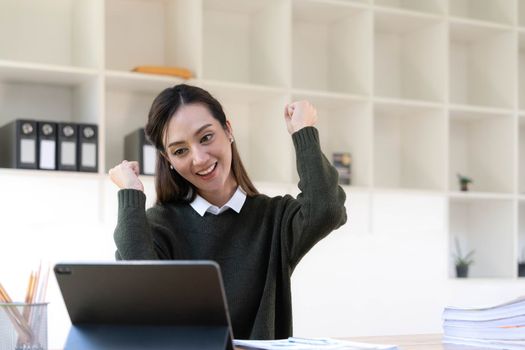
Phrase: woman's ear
[229,130]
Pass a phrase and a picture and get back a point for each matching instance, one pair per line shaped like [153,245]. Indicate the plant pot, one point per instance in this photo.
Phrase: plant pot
[521,269]
[461,271]
[464,188]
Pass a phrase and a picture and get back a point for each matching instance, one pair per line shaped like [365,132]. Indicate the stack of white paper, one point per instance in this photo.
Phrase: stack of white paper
[309,344]
[500,326]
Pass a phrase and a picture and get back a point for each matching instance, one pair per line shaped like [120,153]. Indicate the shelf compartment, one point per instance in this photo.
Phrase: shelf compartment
[482,65]
[332,48]
[65,33]
[345,125]
[153,32]
[129,111]
[521,154]
[12,71]
[409,57]
[482,147]
[498,11]
[430,6]
[259,129]
[487,227]
[77,101]
[246,41]
[409,147]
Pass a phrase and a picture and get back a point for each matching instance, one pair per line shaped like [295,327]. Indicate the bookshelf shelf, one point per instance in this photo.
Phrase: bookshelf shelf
[12,71]
[497,11]
[425,6]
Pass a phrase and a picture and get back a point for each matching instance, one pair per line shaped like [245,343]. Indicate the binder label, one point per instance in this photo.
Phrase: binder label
[27,151]
[68,153]
[148,152]
[47,154]
[89,155]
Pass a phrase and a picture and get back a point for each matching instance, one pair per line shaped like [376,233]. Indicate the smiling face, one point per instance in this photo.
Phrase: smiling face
[199,149]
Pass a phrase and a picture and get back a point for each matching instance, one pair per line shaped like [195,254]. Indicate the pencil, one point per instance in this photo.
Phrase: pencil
[17,319]
[30,287]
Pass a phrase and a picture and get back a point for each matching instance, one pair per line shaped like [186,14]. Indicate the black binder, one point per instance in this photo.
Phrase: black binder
[67,146]
[18,141]
[176,305]
[87,147]
[137,147]
[47,145]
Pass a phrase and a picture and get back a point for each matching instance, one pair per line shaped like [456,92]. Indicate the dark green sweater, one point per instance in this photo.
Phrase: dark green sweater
[257,248]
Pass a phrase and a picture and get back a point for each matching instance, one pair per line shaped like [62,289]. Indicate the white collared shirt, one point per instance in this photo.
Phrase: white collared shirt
[201,205]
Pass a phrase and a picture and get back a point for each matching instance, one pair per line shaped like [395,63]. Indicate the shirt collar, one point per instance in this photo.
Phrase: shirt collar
[201,205]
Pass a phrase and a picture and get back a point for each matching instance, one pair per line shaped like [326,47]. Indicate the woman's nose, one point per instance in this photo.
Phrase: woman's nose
[200,156]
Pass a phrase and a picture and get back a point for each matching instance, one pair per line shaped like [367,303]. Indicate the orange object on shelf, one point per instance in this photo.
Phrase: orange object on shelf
[164,70]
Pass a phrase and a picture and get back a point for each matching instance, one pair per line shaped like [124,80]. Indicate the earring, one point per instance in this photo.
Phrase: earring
[171,167]
[231,140]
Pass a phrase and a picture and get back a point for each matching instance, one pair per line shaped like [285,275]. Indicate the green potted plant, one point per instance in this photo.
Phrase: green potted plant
[461,261]
[464,181]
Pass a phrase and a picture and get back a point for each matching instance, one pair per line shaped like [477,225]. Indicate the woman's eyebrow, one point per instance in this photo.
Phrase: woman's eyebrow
[174,143]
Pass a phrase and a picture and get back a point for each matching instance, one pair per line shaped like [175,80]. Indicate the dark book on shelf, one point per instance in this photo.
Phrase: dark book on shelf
[343,163]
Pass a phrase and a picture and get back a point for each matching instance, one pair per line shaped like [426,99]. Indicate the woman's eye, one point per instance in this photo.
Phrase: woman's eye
[179,152]
[207,138]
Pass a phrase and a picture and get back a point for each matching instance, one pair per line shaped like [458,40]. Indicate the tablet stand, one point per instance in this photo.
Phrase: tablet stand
[151,337]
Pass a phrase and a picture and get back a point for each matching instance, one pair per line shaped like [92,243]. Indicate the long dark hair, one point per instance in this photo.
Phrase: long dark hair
[170,186]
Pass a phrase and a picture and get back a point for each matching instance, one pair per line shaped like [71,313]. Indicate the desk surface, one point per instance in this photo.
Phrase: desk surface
[415,342]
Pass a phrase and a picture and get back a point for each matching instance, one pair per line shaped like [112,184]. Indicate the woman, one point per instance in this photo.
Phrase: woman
[208,208]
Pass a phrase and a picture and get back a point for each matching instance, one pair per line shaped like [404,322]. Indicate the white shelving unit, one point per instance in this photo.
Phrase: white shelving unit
[415,90]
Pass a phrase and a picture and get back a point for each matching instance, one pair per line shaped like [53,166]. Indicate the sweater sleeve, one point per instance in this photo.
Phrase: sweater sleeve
[319,208]
[135,237]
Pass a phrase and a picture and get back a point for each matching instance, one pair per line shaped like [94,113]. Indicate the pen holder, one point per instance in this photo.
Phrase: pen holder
[23,326]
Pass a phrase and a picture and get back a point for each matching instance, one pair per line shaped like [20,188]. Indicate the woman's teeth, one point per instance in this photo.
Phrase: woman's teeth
[207,171]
